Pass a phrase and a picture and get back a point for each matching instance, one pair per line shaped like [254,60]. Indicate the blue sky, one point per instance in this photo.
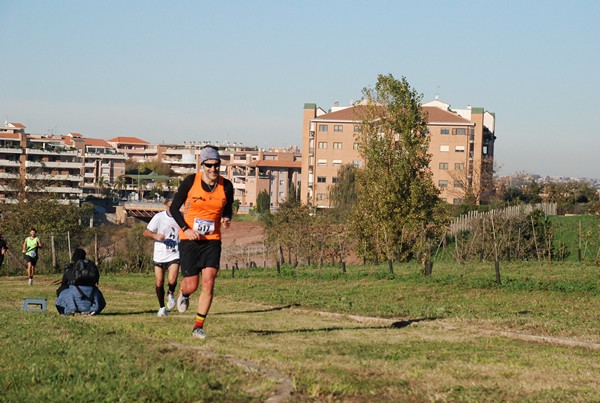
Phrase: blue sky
[242,70]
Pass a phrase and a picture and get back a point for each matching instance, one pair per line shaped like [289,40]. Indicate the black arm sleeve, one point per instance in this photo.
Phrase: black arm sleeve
[180,198]
[228,208]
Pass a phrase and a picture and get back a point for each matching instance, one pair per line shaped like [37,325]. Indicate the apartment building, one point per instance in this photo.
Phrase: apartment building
[12,169]
[461,146]
[102,164]
[44,164]
[73,166]
[252,172]
[136,149]
[183,159]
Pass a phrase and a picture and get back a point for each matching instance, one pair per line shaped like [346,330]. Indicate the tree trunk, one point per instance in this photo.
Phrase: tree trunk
[54,264]
[427,267]
[391,266]
[497,269]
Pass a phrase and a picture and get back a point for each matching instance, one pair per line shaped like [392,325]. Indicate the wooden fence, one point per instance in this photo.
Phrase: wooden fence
[465,221]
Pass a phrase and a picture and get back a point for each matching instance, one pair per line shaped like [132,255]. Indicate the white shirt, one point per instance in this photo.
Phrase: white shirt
[166,250]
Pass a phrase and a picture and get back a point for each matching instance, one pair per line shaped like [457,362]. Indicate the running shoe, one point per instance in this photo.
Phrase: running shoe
[30,281]
[182,303]
[170,301]
[199,333]
[162,312]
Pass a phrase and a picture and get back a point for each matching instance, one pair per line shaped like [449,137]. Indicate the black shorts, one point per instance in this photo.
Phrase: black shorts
[33,260]
[166,265]
[196,255]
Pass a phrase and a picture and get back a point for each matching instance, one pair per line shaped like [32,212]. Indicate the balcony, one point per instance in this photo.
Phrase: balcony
[110,156]
[9,150]
[52,164]
[54,177]
[58,189]
[57,151]
[7,163]
[7,175]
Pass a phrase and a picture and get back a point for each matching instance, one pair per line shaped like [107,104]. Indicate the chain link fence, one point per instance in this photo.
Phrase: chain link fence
[55,253]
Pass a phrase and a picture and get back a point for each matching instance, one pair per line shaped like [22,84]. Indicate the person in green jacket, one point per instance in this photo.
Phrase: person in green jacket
[31,245]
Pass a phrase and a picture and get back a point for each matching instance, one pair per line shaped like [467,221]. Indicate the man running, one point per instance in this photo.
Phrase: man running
[31,245]
[165,233]
[207,200]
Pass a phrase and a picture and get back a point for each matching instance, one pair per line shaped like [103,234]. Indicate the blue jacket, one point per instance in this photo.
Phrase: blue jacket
[71,301]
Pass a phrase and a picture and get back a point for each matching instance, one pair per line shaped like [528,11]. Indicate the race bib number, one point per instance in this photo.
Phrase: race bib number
[204,227]
[31,253]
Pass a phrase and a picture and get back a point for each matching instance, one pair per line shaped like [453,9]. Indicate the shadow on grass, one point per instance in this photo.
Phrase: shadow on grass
[276,308]
[128,313]
[395,325]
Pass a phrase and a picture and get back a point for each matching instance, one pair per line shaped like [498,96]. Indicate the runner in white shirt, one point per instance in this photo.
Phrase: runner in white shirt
[163,229]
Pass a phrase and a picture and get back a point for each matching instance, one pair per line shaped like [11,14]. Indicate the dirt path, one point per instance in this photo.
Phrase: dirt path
[242,233]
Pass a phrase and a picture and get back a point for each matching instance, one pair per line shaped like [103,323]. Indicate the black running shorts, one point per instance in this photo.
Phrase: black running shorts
[166,265]
[196,255]
[32,260]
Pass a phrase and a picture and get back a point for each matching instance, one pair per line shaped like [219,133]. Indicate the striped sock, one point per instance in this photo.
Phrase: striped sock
[199,320]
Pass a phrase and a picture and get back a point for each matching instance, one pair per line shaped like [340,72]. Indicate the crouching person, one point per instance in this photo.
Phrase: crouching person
[78,291]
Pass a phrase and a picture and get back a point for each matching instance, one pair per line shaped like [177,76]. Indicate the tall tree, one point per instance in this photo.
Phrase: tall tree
[343,194]
[396,195]
[263,202]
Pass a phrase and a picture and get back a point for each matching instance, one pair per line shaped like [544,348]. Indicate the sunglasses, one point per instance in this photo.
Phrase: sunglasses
[216,165]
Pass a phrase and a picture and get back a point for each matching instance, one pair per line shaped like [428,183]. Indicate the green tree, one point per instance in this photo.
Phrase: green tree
[343,194]
[288,231]
[396,196]
[263,202]
[157,167]
[293,194]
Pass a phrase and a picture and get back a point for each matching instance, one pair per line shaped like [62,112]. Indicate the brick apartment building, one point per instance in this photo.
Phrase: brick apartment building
[461,148]
[72,167]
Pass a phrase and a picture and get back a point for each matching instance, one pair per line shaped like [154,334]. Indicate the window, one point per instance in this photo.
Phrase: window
[281,195]
[444,130]
[459,131]
[357,163]
[459,149]
[321,179]
[322,144]
[443,165]
[334,179]
[336,163]
[459,166]
[356,146]
[444,148]
[443,184]
[337,145]
[357,128]
[444,199]
[456,201]
[458,184]
[485,150]
[338,128]
[322,128]
[322,163]
[320,196]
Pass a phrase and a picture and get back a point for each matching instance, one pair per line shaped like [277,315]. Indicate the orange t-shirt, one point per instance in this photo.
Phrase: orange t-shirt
[202,210]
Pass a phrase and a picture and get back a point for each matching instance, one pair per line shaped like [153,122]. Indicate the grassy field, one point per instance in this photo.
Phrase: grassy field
[318,335]
[578,232]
